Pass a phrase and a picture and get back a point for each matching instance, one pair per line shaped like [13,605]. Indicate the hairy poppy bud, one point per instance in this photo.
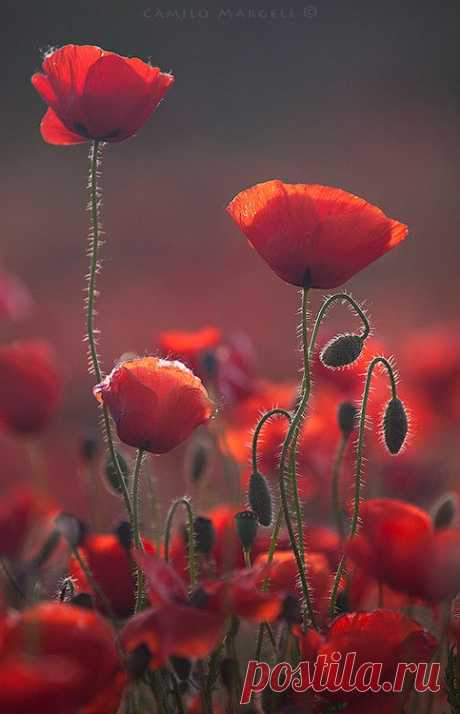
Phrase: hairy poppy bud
[395,425]
[342,351]
[197,460]
[182,667]
[444,511]
[112,475]
[246,528]
[66,589]
[346,418]
[89,448]
[124,534]
[205,535]
[71,528]
[260,498]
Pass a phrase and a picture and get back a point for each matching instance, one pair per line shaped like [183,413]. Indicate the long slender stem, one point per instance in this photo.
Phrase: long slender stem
[336,471]
[325,307]
[135,526]
[95,235]
[184,501]
[359,463]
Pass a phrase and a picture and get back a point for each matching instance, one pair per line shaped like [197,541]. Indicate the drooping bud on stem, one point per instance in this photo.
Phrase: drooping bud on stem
[112,474]
[197,461]
[395,425]
[444,511]
[260,498]
[246,528]
[342,351]
[347,415]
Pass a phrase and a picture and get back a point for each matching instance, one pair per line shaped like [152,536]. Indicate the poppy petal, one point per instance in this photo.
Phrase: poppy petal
[55,132]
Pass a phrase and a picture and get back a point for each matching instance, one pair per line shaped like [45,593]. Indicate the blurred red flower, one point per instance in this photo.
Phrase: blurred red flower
[155,403]
[112,568]
[397,545]
[25,517]
[81,637]
[190,347]
[94,94]
[313,236]
[30,386]
[382,636]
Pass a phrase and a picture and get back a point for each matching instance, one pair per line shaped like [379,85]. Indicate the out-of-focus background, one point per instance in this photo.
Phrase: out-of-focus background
[360,95]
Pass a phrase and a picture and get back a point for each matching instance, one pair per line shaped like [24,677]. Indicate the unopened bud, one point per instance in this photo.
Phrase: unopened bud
[342,350]
[182,667]
[395,425]
[71,528]
[205,535]
[124,533]
[138,661]
[197,461]
[89,448]
[346,418]
[260,498]
[112,475]
[445,511]
[246,528]
[83,600]
[209,364]
[291,611]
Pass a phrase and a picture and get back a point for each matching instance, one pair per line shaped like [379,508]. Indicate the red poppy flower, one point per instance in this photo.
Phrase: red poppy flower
[155,403]
[15,300]
[397,545]
[30,386]
[81,636]
[190,347]
[382,636]
[24,517]
[241,595]
[112,568]
[313,236]
[94,94]
[45,684]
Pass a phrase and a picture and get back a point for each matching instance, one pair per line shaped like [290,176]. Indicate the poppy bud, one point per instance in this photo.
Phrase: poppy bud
[182,667]
[138,661]
[260,498]
[205,535]
[342,351]
[444,511]
[246,528]
[112,475]
[124,534]
[89,448]
[346,418]
[198,461]
[83,600]
[71,528]
[395,425]
[209,364]
[228,672]
[66,589]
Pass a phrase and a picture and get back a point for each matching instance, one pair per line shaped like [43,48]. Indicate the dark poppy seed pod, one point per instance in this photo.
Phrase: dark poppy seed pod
[395,425]
[260,498]
[71,528]
[111,472]
[182,667]
[89,448]
[342,350]
[346,418]
[124,534]
[83,600]
[205,535]
[445,511]
[198,461]
[246,528]
[138,661]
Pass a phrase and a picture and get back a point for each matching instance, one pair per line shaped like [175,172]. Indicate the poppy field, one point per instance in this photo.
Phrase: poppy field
[220,540]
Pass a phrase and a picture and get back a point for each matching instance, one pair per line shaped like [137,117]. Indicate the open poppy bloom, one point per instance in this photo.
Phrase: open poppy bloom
[155,403]
[397,545]
[94,94]
[112,568]
[30,386]
[381,636]
[80,637]
[313,236]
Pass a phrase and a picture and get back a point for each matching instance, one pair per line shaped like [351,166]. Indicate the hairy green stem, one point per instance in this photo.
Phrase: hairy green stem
[359,463]
[136,528]
[336,471]
[186,503]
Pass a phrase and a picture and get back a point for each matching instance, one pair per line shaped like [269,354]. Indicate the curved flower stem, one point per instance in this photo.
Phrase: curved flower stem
[184,501]
[261,423]
[358,467]
[135,526]
[95,234]
[325,307]
[336,471]
[290,449]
